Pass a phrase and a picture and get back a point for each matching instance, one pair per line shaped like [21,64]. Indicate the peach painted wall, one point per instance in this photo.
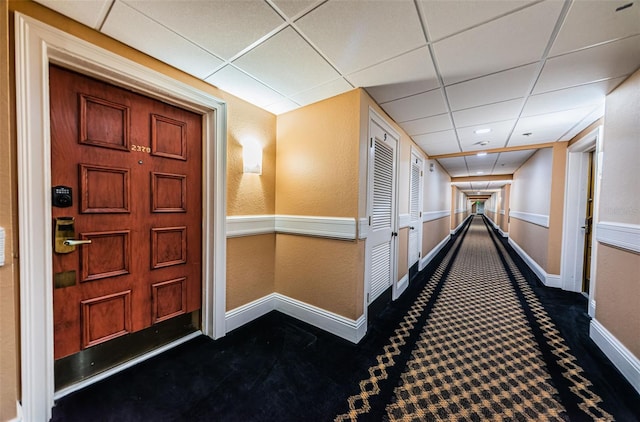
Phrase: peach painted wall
[403,252]
[8,220]
[533,239]
[504,206]
[434,232]
[617,289]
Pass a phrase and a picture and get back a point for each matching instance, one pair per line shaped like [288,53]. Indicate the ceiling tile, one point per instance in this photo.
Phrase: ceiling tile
[478,165]
[287,64]
[484,115]
[222,27]
[292,8]
[88,12]
[410,108]
[408,74]
[448,17]
[497,138]
[244,86]
[514,40]
[455,167]
[566,99]
[282,106]
[327,90]
[547,127]
[592,22]
[436,143]
[605,61]
[138,31]
[356,34]
[597,113]
[501,86]
[428,124]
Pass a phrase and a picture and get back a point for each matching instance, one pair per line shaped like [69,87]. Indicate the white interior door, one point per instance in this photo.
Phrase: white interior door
[415,209]
[381,241]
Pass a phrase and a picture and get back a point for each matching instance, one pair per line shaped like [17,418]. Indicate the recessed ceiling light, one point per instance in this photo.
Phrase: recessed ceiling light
[477,193]
[481,154]
[481,131]
[479,172]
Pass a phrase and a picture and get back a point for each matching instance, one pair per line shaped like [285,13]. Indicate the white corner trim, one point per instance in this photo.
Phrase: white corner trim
[538,219]
[424,261]
[549,280]
[338,325]
[363,228]
[401,286]
[246,313]
[332,227]
[618,354]
[250,225]
[404,221]
[502,212]
[19,417]
[621,235]
[503,234]
[435,215]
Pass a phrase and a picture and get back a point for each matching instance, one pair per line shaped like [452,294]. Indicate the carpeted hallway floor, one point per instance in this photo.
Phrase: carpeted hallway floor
[475,337]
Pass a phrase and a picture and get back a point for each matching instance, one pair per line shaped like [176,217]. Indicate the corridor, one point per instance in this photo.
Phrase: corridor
[475,338]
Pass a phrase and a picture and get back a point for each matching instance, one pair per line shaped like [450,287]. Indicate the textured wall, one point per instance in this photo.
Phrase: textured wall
[617,293]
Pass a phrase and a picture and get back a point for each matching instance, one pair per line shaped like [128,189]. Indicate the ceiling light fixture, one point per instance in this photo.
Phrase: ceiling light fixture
[481,154]
[481,131]
[479,172]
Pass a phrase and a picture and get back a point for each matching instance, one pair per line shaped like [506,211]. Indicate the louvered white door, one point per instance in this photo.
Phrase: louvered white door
[382,210]
[415,209]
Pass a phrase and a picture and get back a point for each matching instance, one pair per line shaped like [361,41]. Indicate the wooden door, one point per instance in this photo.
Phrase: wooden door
[382,210]
[588,225]
[134,165]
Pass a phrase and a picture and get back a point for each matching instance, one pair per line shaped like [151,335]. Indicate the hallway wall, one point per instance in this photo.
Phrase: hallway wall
[617,286]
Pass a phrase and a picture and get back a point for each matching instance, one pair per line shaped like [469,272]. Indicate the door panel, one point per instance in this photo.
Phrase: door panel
[382,197]
[415,210]
[134,165]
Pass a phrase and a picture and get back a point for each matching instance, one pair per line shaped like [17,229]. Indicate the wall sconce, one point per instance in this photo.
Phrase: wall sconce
[252,157]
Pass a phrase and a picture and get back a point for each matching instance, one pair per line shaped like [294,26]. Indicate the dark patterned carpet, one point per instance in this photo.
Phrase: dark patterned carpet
[475,337]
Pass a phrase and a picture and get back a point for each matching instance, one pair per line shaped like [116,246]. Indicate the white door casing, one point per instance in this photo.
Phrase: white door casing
[381,243]
[415,208]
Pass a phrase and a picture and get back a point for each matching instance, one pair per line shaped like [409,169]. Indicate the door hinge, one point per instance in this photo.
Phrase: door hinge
[420,213]
[421,173]
[367,298]
[419,254]
[371,143]
[369,220]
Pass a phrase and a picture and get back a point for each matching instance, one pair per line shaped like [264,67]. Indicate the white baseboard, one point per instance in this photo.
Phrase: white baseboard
[618,354]
[503,234]
[18,417]
[338,325]
[402,285]
[549,280]
[454,231]
[424,261]
[246,313]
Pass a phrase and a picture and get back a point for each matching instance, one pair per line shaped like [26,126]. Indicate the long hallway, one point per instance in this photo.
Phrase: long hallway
[473,339]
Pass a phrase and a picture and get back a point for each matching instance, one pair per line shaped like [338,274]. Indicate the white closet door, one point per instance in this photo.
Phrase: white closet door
[382,210]
[415,209]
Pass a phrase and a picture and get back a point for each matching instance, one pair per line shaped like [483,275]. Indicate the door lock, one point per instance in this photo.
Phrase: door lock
[65,232]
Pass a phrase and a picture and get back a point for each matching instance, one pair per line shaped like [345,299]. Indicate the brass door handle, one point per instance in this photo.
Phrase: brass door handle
[74,242]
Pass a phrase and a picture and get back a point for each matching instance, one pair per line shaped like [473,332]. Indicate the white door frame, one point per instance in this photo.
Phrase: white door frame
[375,118]
[416,224]
[575,202]
[38,45]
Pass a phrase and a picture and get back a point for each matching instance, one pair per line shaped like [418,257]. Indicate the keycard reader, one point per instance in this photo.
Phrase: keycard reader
[61,196]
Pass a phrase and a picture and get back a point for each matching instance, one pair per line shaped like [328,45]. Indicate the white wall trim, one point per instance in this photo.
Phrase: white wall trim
[549,280]
[503,234]
[502,212]
[402,285]
[404,221]
[538,219]
[424,261]
[338,325]
[250,225]
[363,228]
[38,44]
[620,235]
[332,227]
[248,312]
[618,354]
[454,231]
[435,215]
[18,417]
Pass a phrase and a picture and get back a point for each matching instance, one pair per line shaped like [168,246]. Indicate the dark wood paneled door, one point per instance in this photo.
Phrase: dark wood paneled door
[134,166]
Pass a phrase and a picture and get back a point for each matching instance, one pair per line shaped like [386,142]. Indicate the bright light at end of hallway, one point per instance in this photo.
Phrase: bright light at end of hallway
[252,157]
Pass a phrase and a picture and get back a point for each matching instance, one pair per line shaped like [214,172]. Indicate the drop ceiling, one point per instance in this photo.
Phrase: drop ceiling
[533,72]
